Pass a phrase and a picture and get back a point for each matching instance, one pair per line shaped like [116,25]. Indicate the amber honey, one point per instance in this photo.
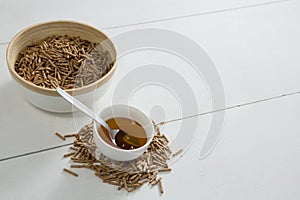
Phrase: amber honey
[131,135]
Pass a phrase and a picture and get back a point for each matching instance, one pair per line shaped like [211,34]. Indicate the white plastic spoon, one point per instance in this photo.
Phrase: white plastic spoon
[83,108]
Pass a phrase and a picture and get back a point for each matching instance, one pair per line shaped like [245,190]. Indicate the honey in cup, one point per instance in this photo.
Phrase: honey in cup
[132,136]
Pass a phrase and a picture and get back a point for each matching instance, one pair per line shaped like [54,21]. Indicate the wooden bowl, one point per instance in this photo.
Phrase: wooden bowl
[47,98]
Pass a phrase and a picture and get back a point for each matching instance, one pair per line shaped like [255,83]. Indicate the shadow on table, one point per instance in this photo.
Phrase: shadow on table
[12,101]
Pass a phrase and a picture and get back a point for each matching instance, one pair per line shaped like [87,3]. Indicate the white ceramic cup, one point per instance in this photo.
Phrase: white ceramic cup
[125,111]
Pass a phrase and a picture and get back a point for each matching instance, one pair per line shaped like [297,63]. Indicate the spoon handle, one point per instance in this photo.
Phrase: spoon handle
[82,107]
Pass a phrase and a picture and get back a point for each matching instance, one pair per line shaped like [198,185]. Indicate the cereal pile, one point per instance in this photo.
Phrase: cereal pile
[128,175]
[68,62]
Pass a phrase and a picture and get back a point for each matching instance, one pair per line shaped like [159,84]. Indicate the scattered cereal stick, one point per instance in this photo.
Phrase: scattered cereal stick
[161,189]
[60,136]
[69,154]
[155,181]
[70,172]
[73,148]
[70,135]
[78,166]
[164,170]
[125,184]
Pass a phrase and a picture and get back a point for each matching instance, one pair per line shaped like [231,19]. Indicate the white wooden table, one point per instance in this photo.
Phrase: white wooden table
[254,45]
